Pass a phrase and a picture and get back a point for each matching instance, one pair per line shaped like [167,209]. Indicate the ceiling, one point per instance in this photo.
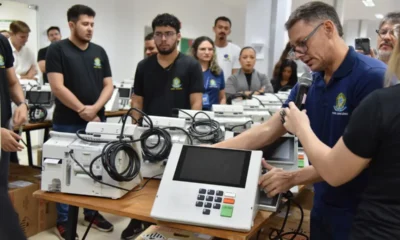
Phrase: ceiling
[354,9]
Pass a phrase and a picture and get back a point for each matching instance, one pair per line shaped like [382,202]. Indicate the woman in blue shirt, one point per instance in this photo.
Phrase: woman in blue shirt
[203,49]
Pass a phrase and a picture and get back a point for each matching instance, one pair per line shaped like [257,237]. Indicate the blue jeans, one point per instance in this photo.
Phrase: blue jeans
[62,209]
[330,223]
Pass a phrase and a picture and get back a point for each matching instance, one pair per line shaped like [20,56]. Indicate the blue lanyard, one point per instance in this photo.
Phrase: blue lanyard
[207,82]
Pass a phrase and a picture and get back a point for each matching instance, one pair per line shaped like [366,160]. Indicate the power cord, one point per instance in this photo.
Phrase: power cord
[280,233]
[37,114]
[204,130]
[109,155]
[161,149]
[239,125]
[95,178]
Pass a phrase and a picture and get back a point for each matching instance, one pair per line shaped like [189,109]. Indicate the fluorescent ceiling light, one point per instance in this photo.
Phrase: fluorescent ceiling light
[368,3]
[379,16]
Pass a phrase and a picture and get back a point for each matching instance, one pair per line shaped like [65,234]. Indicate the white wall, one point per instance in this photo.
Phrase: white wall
[360,28]
[119,24]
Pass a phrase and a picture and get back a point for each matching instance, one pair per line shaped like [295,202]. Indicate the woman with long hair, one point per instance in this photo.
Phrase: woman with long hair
[370,145]
[287,76]
[203,49]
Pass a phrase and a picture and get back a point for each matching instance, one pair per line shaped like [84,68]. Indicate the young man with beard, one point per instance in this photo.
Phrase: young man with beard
[168,79]
[54,35]
[227,52]
[80,77]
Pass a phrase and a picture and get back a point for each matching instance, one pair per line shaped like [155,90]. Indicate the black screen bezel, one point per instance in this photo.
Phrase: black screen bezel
[275,145]
[31,99]
[245,169]
[124,89]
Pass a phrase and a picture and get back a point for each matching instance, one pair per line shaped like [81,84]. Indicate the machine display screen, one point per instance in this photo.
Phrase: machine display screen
[124,92]
[224,167]
[282,150]
[38,97]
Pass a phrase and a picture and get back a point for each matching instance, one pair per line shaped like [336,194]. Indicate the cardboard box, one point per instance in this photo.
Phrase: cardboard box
[46,211]
[47,215]
[155,232]
[21,194]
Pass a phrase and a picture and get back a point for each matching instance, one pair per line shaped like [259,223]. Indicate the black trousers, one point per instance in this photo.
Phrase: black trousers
[9,223]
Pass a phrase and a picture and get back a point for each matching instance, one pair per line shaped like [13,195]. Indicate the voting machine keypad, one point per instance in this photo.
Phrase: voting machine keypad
[211,200]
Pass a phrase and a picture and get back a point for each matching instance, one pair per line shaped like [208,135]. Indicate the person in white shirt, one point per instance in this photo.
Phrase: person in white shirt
[24,58]
[227,52]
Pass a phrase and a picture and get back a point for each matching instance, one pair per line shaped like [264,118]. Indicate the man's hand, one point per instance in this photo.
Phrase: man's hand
[96,119]
[20,115]
[9,141]
[88,113]
[370,53]
[276,180]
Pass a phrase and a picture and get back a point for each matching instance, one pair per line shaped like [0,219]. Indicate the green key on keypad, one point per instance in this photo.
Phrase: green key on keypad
[226,211]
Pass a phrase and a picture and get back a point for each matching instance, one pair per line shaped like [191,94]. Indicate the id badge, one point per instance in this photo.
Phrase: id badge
[206,99]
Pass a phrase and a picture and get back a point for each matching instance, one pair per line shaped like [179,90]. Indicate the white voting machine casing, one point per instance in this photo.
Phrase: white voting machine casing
[209,187]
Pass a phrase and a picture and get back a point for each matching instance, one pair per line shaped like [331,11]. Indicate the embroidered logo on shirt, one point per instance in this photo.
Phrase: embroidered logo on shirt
[176,84]
[340,105]
[97,63]
[226,57]
[213,84]
[1,61]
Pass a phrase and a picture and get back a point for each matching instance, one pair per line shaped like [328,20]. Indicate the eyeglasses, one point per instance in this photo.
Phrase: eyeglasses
[383,32]
[302,48]
[160,35]
[394,32]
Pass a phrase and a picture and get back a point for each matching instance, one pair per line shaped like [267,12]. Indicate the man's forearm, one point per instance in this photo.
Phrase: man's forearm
[68,99]
[17,94]
[198,105]
[306,176]
[258,136]
[105,95]
[138,105]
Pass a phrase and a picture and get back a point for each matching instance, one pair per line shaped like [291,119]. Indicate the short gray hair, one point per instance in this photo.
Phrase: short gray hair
[314,11]
[391,18]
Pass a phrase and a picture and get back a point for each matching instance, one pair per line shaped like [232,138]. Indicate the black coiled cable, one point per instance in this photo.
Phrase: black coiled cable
[161,149]
[204,130]
[37,114]
[109,155]
[280,233]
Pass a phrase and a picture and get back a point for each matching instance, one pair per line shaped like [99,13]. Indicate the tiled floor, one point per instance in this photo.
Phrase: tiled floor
[119,223]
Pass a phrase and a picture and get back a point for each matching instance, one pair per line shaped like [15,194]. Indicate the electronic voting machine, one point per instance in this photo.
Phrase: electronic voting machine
[211,187]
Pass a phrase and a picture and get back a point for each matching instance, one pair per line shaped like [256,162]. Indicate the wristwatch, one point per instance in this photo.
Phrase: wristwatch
[19,104]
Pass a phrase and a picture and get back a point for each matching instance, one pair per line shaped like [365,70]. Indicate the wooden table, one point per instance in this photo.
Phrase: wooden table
[46,125]
[119,113]
[138,205]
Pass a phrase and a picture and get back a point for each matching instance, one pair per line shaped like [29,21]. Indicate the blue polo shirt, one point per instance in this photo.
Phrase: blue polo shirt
[212,86]
[329,108]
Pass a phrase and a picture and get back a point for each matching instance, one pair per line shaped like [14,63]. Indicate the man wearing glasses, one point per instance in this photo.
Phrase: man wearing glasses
[341,79]
[169,79]
[387,35]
